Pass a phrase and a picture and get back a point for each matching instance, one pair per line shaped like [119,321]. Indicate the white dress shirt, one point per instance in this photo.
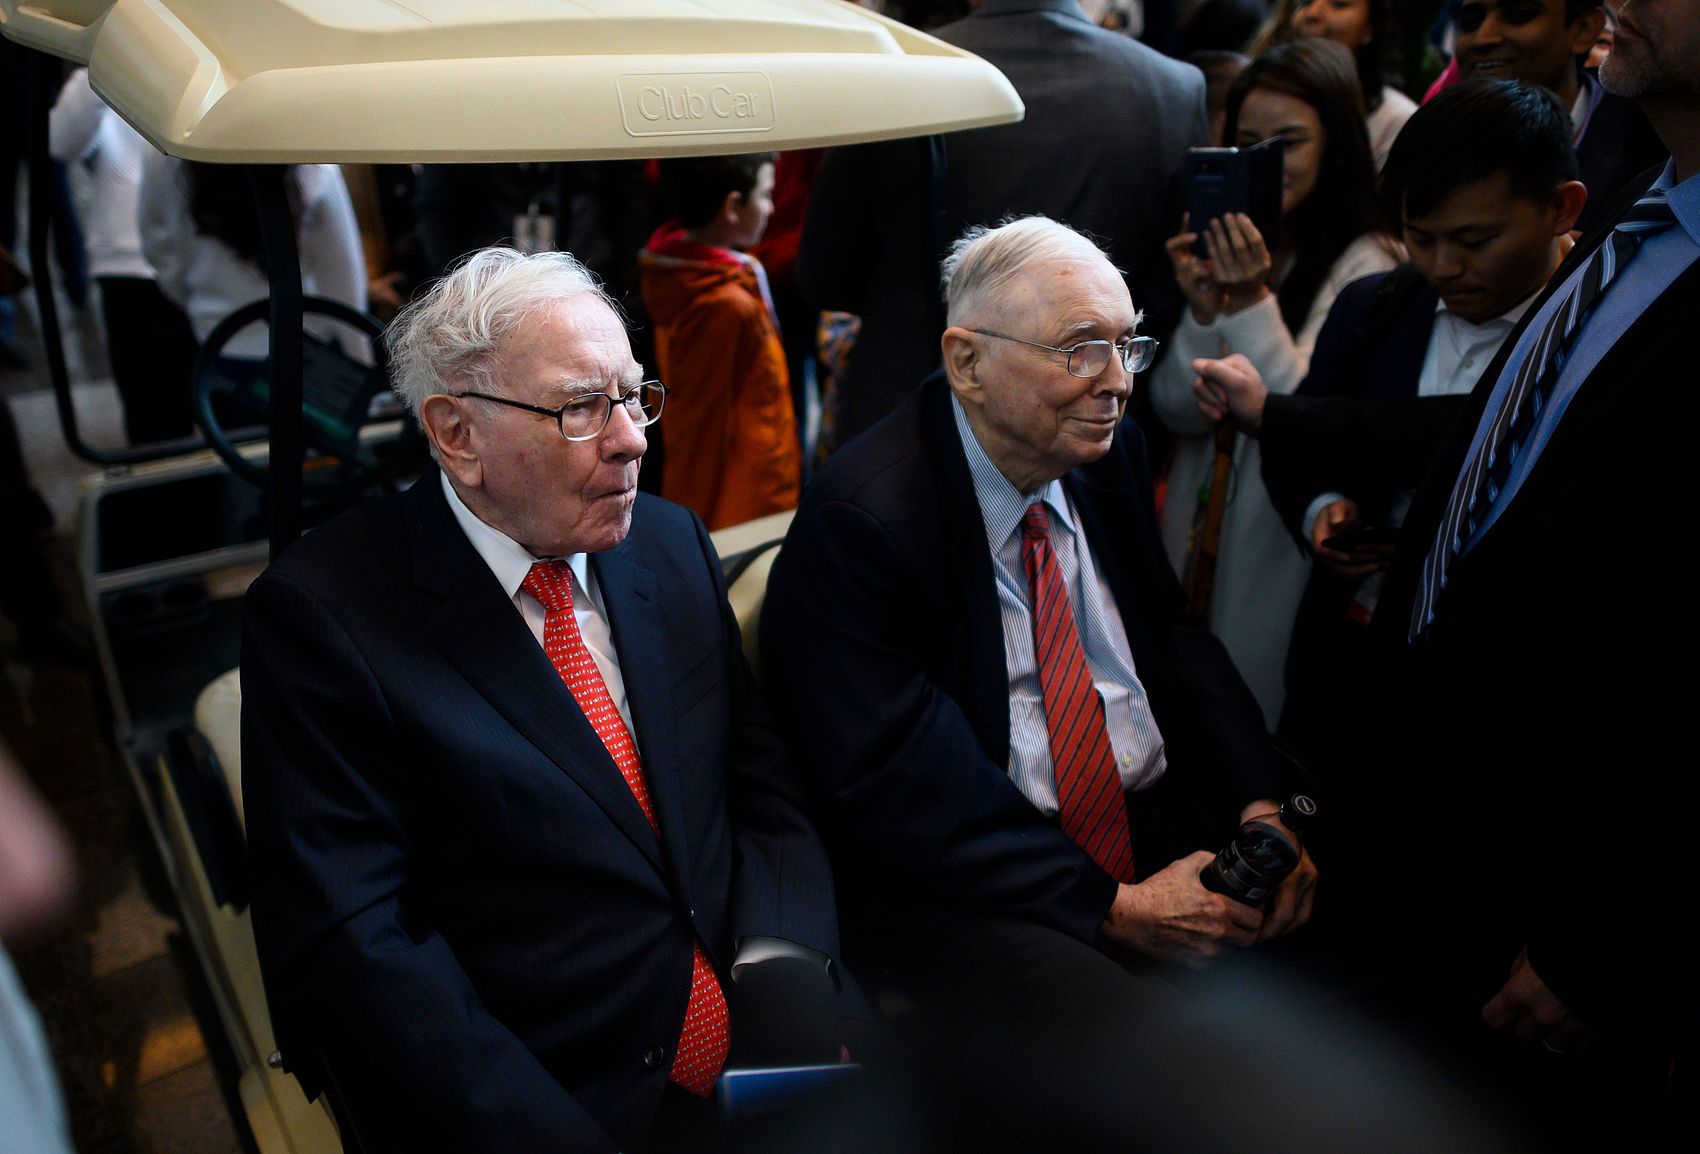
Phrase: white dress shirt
[1459,351]
[510,562]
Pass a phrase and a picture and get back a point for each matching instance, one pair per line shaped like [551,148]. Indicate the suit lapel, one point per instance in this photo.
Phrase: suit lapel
[963,542]
[629,596]
[478,630]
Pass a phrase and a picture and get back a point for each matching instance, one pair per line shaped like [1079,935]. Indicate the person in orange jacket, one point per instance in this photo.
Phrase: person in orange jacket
[732,452]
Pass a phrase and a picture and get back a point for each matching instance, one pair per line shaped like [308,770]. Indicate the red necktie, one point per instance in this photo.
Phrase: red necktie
[1089,790]
[706,1036]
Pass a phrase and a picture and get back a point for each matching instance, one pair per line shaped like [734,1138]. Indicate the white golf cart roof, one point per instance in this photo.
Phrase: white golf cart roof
[286,81]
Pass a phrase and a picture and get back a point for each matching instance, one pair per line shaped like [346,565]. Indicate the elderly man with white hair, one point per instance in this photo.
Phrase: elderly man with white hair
[979,653]
[523,844]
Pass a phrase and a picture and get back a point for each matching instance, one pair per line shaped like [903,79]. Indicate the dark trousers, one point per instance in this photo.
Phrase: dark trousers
[153,358]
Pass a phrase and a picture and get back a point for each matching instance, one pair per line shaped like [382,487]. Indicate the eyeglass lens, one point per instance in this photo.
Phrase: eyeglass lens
[1092,357]
[587,416]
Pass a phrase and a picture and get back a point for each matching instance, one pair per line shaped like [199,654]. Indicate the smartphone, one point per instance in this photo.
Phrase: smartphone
[1224,180]
[1361,537]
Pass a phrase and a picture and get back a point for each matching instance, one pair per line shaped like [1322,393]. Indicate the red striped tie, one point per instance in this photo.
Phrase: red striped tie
[706,1036]
[1089,791]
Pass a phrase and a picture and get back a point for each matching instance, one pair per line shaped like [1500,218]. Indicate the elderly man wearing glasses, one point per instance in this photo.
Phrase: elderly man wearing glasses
[980,656]
[523,847]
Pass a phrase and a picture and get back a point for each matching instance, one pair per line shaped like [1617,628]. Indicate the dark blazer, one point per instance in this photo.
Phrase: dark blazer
[882,649]
[1107,126]
[456,897]
[1535,745]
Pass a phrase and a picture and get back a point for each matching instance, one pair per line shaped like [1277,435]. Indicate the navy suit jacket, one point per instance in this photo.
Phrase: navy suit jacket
[882,648]
[457,900]
[1539,735]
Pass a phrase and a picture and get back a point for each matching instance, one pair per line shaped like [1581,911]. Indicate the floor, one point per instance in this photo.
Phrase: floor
[110,982]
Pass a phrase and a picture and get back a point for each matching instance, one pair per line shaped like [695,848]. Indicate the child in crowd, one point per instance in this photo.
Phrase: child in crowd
[731,451]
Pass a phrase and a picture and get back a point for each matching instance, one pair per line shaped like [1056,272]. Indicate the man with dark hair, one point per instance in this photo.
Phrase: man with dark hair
[1483,181]
[732,455]
[1545,42]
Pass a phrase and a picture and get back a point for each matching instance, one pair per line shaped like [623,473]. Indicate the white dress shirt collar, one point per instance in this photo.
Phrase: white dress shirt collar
[508,559]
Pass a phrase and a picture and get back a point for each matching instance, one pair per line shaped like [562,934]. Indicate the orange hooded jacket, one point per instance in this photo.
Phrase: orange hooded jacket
[731,435]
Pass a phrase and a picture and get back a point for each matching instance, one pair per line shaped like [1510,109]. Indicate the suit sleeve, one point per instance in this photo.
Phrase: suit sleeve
[782,880]
[919,807]
[360,985]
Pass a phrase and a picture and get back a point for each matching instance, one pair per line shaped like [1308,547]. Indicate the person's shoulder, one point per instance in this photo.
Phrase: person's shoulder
[1373,252]
[362,543]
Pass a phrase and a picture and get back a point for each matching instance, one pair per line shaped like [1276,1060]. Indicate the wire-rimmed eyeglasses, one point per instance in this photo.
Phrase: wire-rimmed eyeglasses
[585,416]
[1089,358]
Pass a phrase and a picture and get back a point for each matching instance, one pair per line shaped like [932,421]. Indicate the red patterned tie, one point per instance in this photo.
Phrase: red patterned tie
[706,1036]
[1089,790]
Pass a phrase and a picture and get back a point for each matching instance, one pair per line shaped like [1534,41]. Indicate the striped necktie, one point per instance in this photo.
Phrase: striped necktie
[705,1038]
[1089,790]
[1487,470]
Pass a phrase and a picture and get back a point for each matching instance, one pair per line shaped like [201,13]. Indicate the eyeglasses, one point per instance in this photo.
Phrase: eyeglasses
[1089,358]
[584,417]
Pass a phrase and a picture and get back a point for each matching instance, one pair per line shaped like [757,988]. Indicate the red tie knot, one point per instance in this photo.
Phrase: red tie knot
[1036,525]
[550,582]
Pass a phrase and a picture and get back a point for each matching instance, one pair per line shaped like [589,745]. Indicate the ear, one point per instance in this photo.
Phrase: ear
[1586,30]
[730,207]
[962,351]
[448,423]
[1567,202]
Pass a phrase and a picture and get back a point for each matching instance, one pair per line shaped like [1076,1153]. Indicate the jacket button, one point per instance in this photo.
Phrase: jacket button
[653,1057]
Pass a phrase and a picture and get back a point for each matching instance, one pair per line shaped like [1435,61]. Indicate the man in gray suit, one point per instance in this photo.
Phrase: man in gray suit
[1108,122]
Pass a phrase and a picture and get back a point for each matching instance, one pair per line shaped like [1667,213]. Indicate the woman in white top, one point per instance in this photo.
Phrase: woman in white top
[1369,30]
[1269,307]
[201,235]
[148,342]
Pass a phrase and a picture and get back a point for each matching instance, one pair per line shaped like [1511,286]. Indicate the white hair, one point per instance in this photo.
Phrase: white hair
[448,340]
[984,259]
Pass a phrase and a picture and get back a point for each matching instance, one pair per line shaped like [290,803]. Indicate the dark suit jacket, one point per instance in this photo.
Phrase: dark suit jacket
[456,897]
[1535,743]
[1355,426]
[882,648]
[1108,123]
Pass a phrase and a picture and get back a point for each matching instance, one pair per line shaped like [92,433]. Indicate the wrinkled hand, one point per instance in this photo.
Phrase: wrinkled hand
[1170,915]
[1532,1012]
[1289,907]
[1197,282]
[1239,260]
[1231,388]
[1338,517]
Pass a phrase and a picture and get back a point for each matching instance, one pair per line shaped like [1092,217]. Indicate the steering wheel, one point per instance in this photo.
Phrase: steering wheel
[340,396]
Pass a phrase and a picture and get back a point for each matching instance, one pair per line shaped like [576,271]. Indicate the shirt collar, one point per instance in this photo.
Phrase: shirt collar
[508,559]
[1002,506]
[1509,317]
[1684,199]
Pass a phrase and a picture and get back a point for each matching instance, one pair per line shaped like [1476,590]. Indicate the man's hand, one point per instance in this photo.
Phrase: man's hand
[1170,915]
[1531,1011]
[1338,517]
[1231,388]
[1289,907]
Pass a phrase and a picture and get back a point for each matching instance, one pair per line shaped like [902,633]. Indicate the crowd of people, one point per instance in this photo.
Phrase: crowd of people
[1114,530]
